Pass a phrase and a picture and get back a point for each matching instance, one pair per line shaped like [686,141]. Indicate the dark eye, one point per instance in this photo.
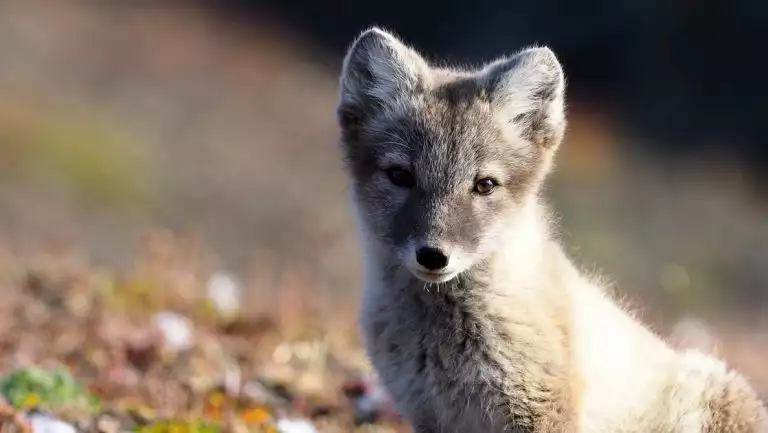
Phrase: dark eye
[401,177]
[485,186]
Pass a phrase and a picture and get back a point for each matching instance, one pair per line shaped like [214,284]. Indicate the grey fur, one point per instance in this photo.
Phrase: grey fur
[496,341]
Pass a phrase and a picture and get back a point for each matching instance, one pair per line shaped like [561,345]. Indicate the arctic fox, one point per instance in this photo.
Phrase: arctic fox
[472,315]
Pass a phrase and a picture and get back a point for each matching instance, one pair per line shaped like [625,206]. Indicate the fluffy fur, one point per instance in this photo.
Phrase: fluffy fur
[509,335]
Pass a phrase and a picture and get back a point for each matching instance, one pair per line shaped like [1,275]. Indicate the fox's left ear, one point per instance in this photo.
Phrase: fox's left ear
[377,69]
[527,91]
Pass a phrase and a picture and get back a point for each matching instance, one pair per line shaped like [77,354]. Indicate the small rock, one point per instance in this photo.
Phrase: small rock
[261,393]
[233,380]
[295,426]
[175,329]
[225,293]
[141,350]
[107,424]
[42,423]
[354,389]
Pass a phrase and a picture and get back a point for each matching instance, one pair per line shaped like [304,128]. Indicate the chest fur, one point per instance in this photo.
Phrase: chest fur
[437,352]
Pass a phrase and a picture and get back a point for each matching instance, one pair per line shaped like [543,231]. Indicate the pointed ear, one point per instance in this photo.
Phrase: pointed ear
[377,68]
[527,92]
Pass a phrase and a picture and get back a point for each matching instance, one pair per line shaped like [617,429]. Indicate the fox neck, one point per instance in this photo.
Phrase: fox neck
[523,246]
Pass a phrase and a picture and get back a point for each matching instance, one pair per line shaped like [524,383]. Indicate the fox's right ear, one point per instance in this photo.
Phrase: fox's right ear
[377,69]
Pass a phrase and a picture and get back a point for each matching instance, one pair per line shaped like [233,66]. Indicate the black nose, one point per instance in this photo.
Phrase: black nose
[431,258]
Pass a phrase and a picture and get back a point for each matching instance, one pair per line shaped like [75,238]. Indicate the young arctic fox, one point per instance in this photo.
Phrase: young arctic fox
[472,314]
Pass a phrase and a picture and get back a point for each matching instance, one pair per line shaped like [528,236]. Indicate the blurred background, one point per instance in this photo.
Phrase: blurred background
[152,150]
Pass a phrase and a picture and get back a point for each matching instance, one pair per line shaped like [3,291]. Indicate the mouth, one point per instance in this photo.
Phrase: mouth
[434,277]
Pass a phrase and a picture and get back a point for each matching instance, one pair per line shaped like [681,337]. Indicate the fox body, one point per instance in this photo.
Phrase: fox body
[472,315]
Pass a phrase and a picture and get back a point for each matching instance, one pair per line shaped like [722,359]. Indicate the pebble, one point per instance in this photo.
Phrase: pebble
[175,329]
[225,293]
[295,426]
[42,423]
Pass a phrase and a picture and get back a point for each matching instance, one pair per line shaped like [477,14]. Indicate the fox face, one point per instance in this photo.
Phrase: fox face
[442,162]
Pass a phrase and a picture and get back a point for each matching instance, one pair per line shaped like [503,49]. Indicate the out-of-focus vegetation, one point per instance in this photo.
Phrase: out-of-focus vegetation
[79,153]
[151,348]
[159,166]
[33,387]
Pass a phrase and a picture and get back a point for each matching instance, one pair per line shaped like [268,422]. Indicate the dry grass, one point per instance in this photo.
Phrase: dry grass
[61,312]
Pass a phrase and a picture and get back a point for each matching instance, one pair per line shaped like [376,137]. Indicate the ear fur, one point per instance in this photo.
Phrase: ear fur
[376,68]
[527,92]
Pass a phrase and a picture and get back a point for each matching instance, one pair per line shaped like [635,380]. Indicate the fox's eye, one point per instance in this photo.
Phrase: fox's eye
[485,186]
[401,177]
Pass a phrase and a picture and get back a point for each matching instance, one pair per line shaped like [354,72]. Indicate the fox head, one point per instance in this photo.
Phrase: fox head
[443,162]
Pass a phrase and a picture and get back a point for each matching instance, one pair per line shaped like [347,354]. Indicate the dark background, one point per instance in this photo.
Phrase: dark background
[687,75]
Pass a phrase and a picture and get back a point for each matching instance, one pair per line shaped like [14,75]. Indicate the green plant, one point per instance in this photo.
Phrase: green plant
[36,387]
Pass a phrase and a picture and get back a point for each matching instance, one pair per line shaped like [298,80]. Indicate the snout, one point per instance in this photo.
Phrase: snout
[432,259]
[433,264]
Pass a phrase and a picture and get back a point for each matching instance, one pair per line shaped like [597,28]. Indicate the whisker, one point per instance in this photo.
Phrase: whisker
[397,144]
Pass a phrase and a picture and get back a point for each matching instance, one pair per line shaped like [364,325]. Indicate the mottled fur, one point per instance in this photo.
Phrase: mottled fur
[509,336]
